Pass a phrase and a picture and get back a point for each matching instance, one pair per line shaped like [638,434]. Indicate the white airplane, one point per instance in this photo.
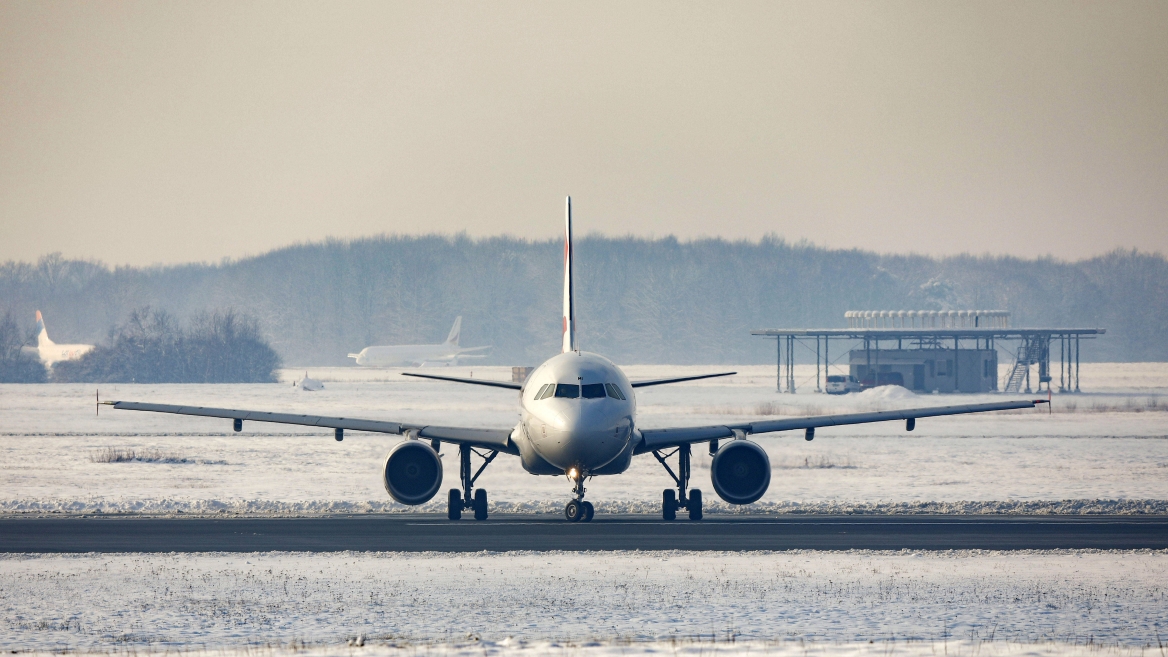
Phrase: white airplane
[418,355]
[49,352]
[308,384]
[578,418]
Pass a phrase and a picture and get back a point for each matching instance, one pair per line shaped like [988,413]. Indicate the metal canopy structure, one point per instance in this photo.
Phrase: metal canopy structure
[1034,346]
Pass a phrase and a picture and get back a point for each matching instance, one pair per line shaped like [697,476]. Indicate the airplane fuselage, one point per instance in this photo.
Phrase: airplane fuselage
[580,424]
[408,355]
[54,353]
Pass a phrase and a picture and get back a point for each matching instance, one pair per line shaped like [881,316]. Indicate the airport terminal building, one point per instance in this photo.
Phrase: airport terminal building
[942,351]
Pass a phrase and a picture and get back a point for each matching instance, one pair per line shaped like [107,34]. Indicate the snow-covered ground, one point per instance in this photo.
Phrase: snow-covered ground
[1106,450]
[160,601]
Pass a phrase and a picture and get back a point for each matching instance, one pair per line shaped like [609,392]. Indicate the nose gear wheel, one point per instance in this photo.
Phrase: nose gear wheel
[578,510]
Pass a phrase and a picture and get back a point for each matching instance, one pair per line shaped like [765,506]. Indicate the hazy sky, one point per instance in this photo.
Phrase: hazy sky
[175,131]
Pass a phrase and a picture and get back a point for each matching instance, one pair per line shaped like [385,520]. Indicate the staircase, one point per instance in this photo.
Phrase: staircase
[1031,352]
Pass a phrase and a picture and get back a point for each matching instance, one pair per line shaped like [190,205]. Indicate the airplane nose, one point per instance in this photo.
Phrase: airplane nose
[584,434]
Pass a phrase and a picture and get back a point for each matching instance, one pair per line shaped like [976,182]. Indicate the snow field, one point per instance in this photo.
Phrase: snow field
[1113,459]
[517,602]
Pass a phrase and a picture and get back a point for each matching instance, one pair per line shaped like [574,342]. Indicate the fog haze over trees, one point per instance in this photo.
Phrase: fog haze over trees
[639,300]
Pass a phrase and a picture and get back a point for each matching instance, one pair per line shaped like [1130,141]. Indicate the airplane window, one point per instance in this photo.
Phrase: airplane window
[551,388]
[593,390]
[613,391]
[568,390]
[542,390]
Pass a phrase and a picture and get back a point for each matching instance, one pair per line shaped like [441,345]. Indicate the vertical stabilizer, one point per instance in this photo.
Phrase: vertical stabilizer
[452,339]
[569,302]
[42,335]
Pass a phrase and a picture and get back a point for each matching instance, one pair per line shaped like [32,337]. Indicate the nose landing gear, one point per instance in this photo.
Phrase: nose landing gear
[468,498]
[672,501]
[578,510]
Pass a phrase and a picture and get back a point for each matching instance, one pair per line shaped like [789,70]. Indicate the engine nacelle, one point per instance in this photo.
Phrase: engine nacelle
[740,472]
[413,472]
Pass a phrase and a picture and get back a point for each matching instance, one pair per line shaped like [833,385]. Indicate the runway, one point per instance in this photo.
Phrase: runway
[428,532]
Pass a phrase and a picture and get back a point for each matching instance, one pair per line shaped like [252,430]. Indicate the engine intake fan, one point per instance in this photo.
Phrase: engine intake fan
[740,472]
[413,472]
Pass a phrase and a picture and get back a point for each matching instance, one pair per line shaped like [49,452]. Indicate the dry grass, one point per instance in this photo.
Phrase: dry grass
[1126,405]
[820,461]
[130,455]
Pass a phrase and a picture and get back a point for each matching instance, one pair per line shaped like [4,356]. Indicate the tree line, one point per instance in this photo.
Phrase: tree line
[638,300]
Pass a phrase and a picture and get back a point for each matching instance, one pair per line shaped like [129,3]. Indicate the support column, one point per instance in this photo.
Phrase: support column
[868,356]
[779,363]
[1062,363]
[1076,363]
[956,364]
[818,388]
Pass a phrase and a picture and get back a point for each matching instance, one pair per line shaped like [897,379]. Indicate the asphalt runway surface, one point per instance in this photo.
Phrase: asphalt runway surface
[428,532]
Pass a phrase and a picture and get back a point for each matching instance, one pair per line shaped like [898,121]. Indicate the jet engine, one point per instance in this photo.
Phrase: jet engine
[740,472]
[413,472]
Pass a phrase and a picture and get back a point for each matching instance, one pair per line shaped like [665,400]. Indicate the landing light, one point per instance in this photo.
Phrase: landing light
[573,474]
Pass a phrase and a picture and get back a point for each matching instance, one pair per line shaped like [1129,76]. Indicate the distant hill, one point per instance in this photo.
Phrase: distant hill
[647,301]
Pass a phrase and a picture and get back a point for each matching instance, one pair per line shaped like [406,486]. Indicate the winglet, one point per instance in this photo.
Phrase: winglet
[569,342]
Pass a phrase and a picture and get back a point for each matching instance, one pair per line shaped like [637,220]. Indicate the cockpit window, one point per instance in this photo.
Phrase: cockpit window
[568,390]
[542,389]
[593,390]
[613,391]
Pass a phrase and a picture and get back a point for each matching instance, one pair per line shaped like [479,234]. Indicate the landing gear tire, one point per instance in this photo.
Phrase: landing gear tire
[454,504]
[589,511]
[669,504]
[480,504]
[695,504]
[574,511]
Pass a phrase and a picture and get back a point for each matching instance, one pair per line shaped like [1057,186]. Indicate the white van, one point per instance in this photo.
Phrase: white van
[838,384]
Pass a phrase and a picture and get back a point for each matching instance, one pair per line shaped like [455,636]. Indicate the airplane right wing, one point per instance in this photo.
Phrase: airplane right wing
[495,439]
[654,439]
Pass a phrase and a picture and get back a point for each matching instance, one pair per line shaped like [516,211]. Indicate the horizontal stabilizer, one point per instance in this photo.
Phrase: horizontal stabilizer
[476,382]
[657,382]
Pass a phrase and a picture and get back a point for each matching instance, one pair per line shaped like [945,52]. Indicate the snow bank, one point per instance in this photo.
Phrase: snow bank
[886,393]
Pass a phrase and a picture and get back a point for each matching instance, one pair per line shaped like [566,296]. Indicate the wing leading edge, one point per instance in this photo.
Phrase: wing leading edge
[664,438]
[496,439]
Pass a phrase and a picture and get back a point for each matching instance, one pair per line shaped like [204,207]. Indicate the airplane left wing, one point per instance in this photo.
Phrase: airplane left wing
[495,439]
[653,439]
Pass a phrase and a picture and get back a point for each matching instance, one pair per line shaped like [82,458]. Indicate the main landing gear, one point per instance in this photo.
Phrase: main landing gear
[578,510]
[672,501]
[458,500]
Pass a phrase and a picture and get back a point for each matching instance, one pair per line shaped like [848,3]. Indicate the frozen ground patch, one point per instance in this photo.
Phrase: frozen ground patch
[214,601]
[1113,459]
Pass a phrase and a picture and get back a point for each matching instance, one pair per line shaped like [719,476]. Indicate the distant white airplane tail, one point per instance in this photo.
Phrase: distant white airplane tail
[42,335]
[569,303]
[455,330]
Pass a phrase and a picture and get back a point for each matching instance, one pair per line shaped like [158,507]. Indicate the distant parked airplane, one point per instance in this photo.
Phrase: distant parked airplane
[49,352]
[418,355]
[577,418]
